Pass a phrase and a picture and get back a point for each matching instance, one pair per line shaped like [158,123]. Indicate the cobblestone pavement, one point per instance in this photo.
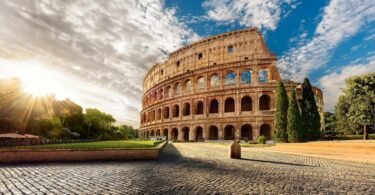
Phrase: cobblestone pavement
[191,168]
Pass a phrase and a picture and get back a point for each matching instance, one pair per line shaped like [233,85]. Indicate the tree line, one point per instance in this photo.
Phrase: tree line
[296,121]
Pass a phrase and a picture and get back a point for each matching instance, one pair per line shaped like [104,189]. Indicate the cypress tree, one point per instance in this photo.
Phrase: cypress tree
[281,113]
[294,119]
[309,113]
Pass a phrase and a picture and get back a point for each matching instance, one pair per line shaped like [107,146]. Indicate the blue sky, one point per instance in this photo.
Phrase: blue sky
[97,52]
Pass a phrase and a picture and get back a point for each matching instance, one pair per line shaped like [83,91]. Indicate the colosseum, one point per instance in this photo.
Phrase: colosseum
[220,88]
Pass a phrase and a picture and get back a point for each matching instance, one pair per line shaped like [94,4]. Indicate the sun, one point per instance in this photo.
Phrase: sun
[36,80]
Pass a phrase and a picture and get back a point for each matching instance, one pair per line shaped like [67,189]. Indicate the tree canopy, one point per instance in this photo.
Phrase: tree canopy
[281,113]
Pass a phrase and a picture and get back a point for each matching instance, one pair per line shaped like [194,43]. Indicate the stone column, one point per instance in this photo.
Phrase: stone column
[169,134]
[192,134]
[237,133]
[205,132]
[180,135]
[220,132]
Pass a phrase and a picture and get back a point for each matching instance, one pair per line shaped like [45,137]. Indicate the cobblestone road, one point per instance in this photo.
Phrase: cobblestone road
[194,169]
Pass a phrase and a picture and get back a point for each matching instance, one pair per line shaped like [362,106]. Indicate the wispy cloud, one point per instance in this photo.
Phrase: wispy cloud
[104,45]
[264,14]
[341,20]
[333,83]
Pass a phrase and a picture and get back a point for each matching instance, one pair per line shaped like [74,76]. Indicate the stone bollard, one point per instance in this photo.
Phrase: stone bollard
[235,150]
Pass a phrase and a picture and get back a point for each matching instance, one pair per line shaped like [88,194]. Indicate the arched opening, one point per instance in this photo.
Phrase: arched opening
[246,77]
[199,108]
[153,115]
[263,76]
[214,80]
[168,92]
[160,94]
[246,104]
[188,86]
[214,106]
[166,112]
[229,132]
[147,134]
[229,105]
[200,83]
[158,132]
[165,133]
[186,110]
[158,114]
[174,134]
[246,132]
[265,130]
[264,102]
[177,89]
[152,133]
[199,134]
[213,133]
[176,111]
[230,78]
[186,132]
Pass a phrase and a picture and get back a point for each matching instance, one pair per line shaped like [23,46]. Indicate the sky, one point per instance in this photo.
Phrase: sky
[97,52]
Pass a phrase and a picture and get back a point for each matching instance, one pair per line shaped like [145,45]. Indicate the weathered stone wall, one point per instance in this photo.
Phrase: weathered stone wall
[176,103]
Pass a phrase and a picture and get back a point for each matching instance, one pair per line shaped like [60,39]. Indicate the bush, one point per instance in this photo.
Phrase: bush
[261,140]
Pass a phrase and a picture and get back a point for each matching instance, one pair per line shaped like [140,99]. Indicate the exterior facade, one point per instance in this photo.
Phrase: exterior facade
[220,88]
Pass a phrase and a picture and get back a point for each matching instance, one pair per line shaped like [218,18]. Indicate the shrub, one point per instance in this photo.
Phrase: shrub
[261,140]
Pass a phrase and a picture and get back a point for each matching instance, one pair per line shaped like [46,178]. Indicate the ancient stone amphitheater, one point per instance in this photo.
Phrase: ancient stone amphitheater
[220,88]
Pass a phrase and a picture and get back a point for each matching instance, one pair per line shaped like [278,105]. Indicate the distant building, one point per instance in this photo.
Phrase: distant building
[219,88]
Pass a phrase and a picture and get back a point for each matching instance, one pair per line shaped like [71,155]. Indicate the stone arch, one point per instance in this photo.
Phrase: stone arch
[165,133]
[245,77]
[176,111]
[199,108]
[229,105]
[214,80]
[213,133]
[147,134]
[157,133]
[161,94]
[263,75]
[214,106]
[186,109]
[230,78]
[229,132]
[174,134]
[186,132]
[201,84]
[153,115]
[188,85]
[158,114]
[265,130]
[246,132]
[168,91]
[177,88]
[246,103]
[152,133]
[199,133]
[166,112]
[265,102]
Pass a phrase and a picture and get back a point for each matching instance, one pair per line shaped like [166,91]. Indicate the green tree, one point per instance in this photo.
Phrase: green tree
[360,93]
[309,112]
[330,123]
[97,123]
[294,119]
[341,115]
[281,113]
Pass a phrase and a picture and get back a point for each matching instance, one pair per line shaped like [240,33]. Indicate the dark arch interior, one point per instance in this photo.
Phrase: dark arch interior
[166,112]
[213,133]
[199,134]
[176,111]
[158,132]
[186,131]
[246,104]
[174,134]
[265,130]
[165,133]
[186,111]
[199,109]
[229,132]
[246,132]
[152,133]
[264,102]
[158,115]
[214,106]
[229,105]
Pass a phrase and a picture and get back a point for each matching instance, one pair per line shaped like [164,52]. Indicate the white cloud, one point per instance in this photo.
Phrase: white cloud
[333,83]
[106,46]
[341,20]
[264,14]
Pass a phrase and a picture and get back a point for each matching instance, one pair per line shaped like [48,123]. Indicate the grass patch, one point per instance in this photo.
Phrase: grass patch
[93,145]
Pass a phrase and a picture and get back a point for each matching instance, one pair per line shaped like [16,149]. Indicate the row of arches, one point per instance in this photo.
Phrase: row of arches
[213,107]
[214,81]
[229,133]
